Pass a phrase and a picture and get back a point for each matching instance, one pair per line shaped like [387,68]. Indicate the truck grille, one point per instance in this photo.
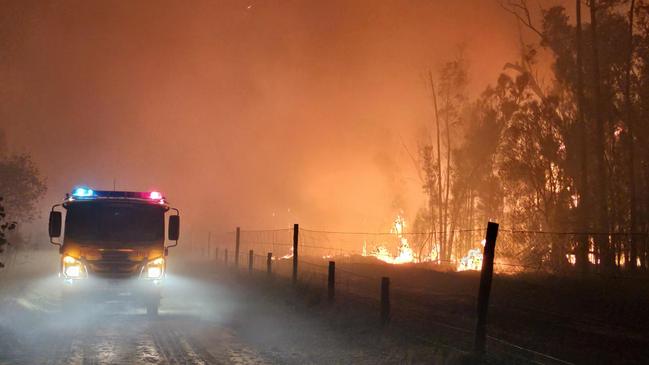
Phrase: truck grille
[114,256]
[114,264]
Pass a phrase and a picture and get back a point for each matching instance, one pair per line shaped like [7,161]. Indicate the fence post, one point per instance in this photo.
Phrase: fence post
[331,281]
[216,254]
[385,300]
[236,247]
[296,231]
[251,257]
[485,288]
[269,264]
[225,259]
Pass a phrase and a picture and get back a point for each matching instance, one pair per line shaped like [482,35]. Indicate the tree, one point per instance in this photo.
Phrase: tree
[600,80]
[453,82]
[477,190]
[630,138]
[449,99]
[601,182]
[5,226]
[641,126]
[21,185]
[568,155]
[583,195]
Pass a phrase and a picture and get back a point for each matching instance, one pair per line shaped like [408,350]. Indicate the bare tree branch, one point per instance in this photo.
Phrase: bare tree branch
[415,162]
[521,11]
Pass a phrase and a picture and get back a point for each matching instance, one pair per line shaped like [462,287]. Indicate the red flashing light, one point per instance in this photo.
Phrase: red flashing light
[155,195]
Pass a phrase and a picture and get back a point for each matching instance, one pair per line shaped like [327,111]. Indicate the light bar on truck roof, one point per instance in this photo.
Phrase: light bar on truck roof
[87,193]
[83,192]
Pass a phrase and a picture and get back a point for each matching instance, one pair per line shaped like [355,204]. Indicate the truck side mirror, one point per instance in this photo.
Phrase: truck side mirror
[55,224]
[174,227]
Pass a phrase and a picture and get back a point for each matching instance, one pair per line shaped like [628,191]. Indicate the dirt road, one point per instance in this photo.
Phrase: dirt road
[193,326]
[134,339]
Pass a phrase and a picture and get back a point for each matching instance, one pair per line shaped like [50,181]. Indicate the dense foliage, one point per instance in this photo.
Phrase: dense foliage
[5,226]
[569,157]
[21,184]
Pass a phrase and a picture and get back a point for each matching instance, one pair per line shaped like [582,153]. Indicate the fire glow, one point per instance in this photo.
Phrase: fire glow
[405,254]
[472,260]
[285,257]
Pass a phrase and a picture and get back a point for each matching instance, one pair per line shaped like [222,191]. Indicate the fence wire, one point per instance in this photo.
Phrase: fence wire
[442,297]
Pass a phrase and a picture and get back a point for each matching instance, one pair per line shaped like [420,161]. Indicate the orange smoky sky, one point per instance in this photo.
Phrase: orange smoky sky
[252,113]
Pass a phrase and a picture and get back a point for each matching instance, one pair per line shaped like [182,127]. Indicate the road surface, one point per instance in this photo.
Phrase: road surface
[194,326]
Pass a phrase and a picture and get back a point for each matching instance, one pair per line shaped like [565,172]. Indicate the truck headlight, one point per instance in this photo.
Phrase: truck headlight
[154,269]
[73,268]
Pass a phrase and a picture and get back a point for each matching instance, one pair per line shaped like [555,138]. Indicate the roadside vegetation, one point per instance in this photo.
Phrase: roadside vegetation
[21,187]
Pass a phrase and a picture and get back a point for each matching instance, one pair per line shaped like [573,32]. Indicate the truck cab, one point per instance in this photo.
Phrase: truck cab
[113,244]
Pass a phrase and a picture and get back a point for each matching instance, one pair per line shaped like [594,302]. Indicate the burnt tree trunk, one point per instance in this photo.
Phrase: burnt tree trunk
[632,239]
[601,183]
[581,254]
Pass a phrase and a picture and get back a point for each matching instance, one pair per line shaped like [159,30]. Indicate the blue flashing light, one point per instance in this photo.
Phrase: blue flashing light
[83,192]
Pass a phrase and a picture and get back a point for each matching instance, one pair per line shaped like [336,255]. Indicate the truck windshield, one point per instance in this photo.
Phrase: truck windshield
[106,221]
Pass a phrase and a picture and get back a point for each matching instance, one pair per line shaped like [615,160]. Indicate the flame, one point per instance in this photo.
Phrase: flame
[594,260]
[472,260]
[285,257]
[572,259]
[405,255]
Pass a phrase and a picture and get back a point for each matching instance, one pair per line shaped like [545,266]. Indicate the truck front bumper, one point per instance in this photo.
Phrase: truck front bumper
[107,289]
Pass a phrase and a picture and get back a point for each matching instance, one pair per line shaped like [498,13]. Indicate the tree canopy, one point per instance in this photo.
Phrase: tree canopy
[564,164]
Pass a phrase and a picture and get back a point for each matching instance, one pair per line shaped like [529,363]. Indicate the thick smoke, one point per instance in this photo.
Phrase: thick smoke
[259,114]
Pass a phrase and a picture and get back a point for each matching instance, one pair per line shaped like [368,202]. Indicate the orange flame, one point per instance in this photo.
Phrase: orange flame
[405,255]
[472,260]
[285,257]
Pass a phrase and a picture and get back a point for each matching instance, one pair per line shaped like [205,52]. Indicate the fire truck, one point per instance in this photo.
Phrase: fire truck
[112,245]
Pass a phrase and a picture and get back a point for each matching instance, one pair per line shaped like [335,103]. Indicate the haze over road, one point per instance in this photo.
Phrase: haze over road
[193,328]
[204,319]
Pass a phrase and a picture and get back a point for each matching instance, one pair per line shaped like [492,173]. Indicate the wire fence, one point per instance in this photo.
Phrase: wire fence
[518,250]
[429,292]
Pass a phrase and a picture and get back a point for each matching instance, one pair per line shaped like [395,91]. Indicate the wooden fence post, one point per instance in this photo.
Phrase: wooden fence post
[269,264]
[236,247]
[296,231]
[385,300]
[251,257]
[216,254]
[486,276]
[225,258]
[331,281]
